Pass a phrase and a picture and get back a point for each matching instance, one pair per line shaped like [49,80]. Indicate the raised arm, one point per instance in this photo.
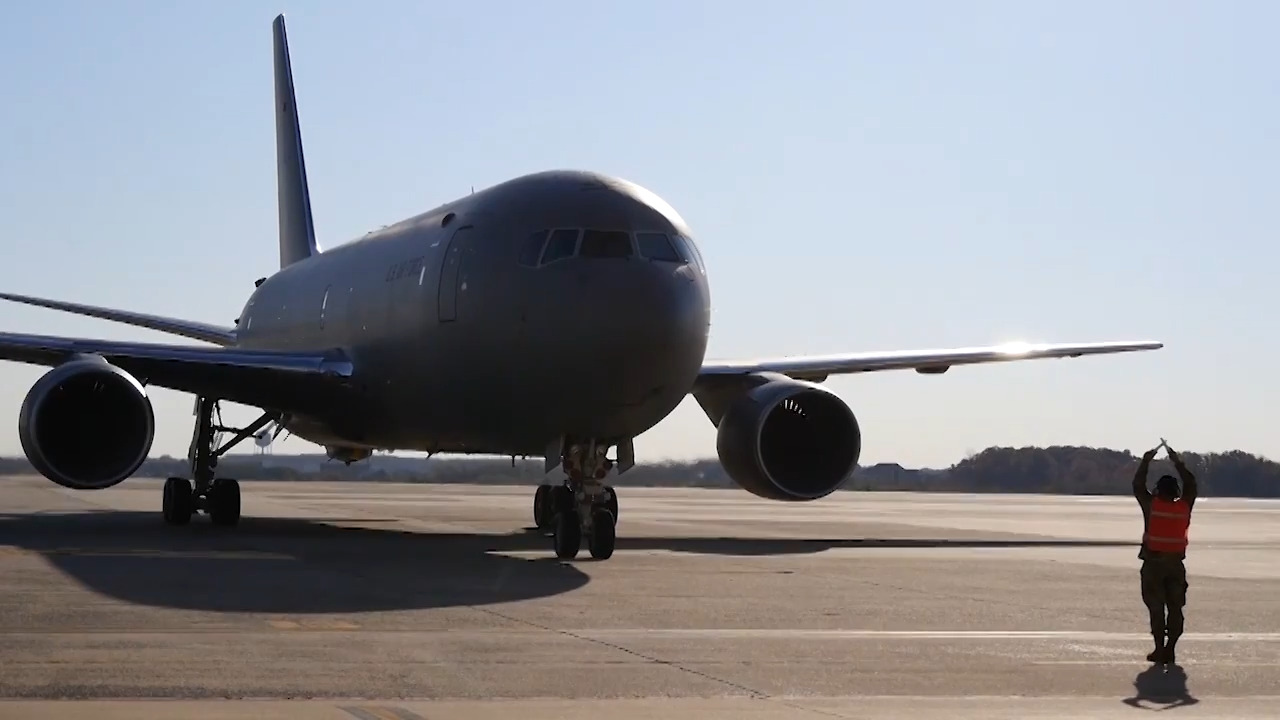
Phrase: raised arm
[1190,489]
[1140,490]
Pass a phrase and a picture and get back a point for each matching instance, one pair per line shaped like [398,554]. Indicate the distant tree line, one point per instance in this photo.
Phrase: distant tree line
[1070,470]
[1055,470]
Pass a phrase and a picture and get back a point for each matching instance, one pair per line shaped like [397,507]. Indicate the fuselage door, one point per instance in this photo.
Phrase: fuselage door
[324,305]
[333,312]
[450,270]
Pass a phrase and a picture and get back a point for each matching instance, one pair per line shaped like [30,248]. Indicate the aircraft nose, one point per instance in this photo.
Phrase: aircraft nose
[652,304]
[652,301]
[649,324]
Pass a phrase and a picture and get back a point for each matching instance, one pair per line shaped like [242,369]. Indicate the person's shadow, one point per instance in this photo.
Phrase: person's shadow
[1161,687]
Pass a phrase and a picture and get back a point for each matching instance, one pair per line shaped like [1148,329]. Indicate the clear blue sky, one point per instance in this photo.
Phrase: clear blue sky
[860,176]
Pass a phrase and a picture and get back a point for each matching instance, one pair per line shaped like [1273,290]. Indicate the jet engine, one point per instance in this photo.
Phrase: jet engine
[789,440]
[86,424]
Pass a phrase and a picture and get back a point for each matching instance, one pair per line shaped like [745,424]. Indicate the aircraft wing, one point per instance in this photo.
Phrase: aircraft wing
[817,368]
[259,378]
[184,328]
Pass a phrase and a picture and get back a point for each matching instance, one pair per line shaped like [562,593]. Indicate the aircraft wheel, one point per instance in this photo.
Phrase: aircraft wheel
[178,503]
[612,504]
[603,534]
[224,502]
[568,537]
[543,510]
[562,501]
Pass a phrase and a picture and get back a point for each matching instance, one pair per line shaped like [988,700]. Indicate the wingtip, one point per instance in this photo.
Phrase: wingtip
[1135,344]
[1139,345]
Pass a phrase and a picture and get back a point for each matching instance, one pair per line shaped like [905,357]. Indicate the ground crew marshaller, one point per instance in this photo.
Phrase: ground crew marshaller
[1166,519]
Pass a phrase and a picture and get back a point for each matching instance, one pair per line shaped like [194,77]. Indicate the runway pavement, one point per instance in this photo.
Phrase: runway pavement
[341,600]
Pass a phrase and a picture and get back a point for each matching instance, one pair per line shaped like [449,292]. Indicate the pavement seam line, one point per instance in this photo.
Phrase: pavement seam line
[757,694]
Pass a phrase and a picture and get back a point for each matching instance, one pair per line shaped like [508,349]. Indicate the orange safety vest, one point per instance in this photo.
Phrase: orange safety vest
[1167,526]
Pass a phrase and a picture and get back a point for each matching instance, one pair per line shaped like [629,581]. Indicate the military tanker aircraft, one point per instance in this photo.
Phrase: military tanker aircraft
[557,315]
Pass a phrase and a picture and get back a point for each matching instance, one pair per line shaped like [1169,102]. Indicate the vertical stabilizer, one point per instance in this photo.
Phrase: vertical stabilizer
[297,233]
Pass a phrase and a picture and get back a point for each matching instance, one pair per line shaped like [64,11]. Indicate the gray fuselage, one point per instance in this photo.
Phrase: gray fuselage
[459,343]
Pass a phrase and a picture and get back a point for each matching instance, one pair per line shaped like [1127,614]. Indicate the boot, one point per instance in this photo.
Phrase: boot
[1158,654]
[1169,657]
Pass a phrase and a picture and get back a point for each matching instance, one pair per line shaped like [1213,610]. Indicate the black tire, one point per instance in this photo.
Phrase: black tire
[568,536]
[178,503]
[603,534]
[612,504]
[543,511]
[562,501]
[224,502]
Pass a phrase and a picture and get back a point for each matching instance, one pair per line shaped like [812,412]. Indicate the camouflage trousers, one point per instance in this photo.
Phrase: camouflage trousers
[1164,588]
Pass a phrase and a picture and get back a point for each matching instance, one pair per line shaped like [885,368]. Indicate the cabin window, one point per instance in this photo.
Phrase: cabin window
[562,244]
[605,244]
[532,248]
[657,246]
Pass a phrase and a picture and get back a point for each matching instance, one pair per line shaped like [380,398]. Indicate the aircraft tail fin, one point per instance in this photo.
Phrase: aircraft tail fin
[297,232]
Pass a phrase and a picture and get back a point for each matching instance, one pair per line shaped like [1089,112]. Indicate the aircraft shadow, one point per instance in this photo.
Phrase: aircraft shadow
[1161,688]
[301,565]
[800,546]
[282,565]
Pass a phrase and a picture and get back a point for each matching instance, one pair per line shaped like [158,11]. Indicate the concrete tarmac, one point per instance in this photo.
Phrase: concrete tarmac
[343,600]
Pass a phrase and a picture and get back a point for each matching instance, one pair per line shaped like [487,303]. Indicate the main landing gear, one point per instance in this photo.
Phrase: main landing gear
[582,507]
[217,497]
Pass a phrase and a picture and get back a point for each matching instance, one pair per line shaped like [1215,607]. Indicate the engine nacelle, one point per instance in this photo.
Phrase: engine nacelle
[789,440]
[86,424]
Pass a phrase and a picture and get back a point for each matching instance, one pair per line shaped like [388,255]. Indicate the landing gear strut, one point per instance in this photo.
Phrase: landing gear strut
[583,507]
[217,497]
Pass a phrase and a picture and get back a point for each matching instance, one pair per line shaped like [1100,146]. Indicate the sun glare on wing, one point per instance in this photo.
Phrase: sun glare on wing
[1015,348]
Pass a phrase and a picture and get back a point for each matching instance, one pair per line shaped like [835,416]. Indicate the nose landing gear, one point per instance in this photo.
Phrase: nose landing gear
[583,507]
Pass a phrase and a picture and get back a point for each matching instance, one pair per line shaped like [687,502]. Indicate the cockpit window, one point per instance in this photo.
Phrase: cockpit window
[532,248]
[605,244]
[656,246]
[689,250]
[562,244]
